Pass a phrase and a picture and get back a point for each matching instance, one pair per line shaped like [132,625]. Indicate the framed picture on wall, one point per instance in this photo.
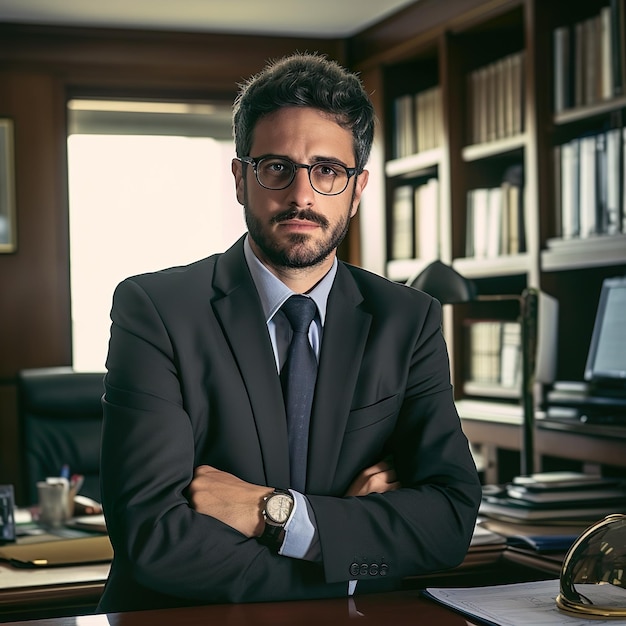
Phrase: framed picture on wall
[8,232]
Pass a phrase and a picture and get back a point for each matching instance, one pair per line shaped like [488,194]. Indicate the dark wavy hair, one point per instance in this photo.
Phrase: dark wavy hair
[305,80]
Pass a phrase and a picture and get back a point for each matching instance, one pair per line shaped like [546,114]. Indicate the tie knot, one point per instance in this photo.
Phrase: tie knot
[300,312]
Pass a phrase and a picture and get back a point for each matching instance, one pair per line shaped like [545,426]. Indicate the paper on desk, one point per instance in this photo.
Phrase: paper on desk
[16,577]
[95,523]
[519,604]
[483,537]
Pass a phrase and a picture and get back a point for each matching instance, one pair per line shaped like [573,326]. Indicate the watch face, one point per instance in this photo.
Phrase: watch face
[278,507]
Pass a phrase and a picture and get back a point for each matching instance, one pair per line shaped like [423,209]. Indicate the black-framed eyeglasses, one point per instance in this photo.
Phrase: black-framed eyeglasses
[274,172]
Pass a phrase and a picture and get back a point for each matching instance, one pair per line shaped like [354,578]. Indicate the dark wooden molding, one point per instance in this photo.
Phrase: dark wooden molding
[417,26]
[147,59]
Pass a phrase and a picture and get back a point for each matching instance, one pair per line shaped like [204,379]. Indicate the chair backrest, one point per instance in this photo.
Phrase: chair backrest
[61,423]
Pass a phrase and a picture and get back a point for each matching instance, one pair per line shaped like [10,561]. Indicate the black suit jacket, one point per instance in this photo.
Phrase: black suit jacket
[192,380]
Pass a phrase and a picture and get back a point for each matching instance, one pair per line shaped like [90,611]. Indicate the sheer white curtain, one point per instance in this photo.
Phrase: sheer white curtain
[137,204]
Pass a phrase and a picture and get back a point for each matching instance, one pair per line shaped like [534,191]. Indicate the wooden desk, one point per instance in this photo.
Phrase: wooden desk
[67,594]
[60,592]
[398,608]
[28,593]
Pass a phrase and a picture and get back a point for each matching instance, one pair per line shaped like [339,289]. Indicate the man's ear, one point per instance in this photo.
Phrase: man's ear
[237,170]
[359,186]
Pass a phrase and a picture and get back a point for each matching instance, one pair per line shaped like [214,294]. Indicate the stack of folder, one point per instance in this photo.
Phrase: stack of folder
[58,551]
[555,496]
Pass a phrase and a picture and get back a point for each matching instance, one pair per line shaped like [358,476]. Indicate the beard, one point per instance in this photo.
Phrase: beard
[301,251]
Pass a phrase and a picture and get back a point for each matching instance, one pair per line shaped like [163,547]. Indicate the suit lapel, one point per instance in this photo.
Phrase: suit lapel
[240,314]
[345,335]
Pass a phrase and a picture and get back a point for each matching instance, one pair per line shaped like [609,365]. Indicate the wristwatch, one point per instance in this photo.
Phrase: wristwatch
[276,511]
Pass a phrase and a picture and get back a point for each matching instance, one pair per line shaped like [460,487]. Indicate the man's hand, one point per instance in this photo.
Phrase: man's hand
[239,504]
[228,499]
[378,478]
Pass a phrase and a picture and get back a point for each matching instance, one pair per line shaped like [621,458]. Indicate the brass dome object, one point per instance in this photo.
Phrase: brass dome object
[593,575]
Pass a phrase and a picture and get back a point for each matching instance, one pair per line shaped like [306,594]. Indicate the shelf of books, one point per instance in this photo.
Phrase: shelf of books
[505,157]
[494,365]
[481,228]
[415,221]
[589,103]
[584,233]
[488,209]
[495,97]
[414,153]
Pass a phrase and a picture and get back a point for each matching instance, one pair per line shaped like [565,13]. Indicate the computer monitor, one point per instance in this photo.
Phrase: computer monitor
[606,360]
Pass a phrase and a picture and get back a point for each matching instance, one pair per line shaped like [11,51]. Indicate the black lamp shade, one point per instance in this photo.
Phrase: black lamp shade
[444,283]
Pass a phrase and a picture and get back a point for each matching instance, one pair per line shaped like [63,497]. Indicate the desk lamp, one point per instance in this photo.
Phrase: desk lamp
[449,287]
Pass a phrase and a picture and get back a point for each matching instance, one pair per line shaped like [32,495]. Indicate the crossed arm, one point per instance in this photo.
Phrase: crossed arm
[237,503]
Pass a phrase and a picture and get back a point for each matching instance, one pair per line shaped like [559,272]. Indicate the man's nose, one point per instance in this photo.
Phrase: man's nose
[301,188]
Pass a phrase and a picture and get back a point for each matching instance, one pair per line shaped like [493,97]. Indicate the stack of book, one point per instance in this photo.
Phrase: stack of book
[494,358]
[415,227]
[495,218]
[590,199]
[574,402]
[555,497]
[588,57]
[418,122]
[495,102]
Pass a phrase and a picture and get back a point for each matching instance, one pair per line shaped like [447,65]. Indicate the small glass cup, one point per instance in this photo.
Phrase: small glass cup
[53,502]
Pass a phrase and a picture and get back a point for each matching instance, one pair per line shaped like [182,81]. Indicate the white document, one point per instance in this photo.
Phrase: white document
[518,604]
[484,537]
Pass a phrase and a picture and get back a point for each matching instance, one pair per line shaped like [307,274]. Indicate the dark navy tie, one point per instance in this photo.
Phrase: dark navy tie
[298,377]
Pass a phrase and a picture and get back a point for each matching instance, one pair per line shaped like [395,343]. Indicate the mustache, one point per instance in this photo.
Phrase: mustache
[300,214]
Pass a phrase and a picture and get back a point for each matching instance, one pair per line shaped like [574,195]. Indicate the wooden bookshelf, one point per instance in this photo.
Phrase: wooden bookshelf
[455,48]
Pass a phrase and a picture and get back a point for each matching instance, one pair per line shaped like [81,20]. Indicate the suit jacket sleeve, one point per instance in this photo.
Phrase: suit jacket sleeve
[426,525]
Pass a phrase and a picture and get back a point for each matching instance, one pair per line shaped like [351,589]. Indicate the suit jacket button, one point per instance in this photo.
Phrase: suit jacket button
[384,569]
[364,569]
[354,569]
[374,569]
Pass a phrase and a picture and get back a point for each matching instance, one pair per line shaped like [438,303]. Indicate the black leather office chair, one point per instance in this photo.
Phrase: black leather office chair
[61,422]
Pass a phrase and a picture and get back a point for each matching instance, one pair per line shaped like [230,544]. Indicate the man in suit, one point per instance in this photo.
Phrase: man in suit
[205,498]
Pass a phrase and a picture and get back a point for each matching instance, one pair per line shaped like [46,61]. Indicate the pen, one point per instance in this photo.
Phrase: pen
[65,471]
[76,482]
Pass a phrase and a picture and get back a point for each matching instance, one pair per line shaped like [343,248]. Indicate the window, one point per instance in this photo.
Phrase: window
[150,187]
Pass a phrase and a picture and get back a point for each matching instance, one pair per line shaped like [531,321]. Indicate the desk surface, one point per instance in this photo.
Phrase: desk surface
[63,591]
[29,592]
[397,608]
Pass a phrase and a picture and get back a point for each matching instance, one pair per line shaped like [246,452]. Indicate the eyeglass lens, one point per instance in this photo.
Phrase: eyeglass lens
[326,177]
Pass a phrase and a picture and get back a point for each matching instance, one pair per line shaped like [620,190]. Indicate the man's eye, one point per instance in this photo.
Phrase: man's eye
[275,168]
[327,170]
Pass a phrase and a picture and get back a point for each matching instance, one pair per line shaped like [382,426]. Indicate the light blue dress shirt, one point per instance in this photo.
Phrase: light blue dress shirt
[301,538]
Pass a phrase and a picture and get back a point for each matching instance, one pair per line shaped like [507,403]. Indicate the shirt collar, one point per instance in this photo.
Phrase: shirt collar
[273,292]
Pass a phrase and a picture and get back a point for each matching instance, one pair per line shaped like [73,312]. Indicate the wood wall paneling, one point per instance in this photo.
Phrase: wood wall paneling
[34,316]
